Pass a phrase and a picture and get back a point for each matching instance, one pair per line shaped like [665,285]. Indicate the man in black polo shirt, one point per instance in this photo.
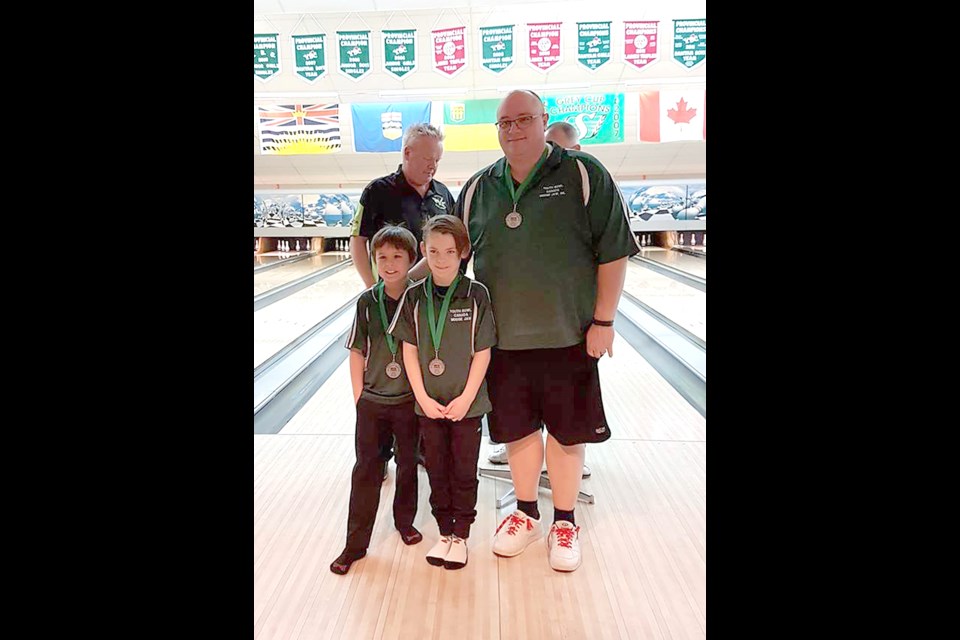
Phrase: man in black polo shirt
[408,197]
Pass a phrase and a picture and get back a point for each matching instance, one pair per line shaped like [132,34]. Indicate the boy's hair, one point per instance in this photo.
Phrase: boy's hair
[453,225]
[396,236]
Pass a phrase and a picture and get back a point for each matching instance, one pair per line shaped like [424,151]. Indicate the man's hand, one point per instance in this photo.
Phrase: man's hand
[600,341]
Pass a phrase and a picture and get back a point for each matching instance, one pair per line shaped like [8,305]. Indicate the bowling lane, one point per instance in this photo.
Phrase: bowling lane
[272,257]
[266,280]
[278,324]
[693,265]
[682,304]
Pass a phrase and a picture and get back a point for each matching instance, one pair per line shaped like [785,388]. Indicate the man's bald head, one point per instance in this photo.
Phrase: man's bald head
[522,113]
[564,134]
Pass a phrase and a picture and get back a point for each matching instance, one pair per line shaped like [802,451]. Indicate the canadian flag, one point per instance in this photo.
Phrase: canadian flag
[671,114]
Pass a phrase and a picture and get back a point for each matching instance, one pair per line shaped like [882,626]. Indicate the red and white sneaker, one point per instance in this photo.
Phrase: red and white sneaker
[563,544]
[515,534]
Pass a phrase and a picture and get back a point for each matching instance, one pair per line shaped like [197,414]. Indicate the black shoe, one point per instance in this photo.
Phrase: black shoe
[342,564]
[411,536]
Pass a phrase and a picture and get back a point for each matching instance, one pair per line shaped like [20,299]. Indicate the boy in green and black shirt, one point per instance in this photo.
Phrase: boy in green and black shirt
[384,400]
[447,327]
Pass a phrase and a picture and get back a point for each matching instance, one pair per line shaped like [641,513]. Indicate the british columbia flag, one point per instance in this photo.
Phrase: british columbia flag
[290,129]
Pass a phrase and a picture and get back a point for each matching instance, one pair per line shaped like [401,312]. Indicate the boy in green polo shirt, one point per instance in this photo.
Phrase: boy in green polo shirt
[384,401]
[447,327]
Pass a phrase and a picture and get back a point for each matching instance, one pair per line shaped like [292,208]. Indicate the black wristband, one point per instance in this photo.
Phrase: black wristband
[603,323]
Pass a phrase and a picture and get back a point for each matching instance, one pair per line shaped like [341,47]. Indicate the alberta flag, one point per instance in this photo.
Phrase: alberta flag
[670,115]
[379,126]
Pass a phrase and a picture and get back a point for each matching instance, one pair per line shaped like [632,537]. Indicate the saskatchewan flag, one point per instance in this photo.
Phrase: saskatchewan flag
[468,125]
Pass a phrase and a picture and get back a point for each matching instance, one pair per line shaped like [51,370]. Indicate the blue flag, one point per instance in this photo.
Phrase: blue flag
[379,126]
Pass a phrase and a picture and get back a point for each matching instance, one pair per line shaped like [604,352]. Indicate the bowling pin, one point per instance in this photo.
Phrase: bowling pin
[681,239]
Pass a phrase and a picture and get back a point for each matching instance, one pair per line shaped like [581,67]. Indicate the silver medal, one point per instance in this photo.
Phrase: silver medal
[436,366]
[393,370]
[513,219]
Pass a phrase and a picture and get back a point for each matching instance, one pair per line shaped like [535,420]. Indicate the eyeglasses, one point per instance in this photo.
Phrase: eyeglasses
[522,122]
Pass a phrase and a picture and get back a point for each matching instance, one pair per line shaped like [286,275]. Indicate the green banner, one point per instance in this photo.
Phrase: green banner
[598,117]
[690,42]
[310,57]
[496,47]
[593,44]
[266,60]
[354,53]
[399,52]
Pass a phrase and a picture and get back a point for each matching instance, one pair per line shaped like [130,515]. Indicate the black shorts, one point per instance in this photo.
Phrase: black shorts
[559,387]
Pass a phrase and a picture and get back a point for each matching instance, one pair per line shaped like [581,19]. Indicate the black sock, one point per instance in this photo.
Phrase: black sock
[529,508]
[559,514]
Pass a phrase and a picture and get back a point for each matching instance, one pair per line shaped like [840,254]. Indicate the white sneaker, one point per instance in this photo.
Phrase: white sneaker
[456,557]
[499,455]
[563,544]
[515,534]
[439,551]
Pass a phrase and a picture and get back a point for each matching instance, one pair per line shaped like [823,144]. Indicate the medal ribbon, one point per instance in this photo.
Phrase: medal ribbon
[379,293]
[436,326]
[526,183]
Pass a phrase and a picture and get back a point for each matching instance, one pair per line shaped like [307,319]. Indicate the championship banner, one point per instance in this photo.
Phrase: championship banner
[266,64]
[598,117]
[378,127]
[640,43]
[593,44]
[449,51]
[690,42]
[669,115]
[468,125]
[354,49]
[400,52]
[496,48]
[299,129]
[543,45]
[309,56]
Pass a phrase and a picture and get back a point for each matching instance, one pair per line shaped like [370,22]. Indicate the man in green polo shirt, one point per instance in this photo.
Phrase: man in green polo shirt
[551,237]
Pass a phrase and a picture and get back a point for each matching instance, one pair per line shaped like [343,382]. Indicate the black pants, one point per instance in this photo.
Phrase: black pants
[452,450]
[377,424]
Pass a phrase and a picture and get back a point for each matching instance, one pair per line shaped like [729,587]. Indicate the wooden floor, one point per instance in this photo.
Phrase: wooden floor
[643,541]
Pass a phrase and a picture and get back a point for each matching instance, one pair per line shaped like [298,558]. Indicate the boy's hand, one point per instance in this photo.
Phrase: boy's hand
[433,409]
[457,408]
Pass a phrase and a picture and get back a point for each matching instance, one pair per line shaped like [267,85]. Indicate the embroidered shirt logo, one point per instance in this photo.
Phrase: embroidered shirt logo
[439,202]
[460,315]
[601,429]
[551,190]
